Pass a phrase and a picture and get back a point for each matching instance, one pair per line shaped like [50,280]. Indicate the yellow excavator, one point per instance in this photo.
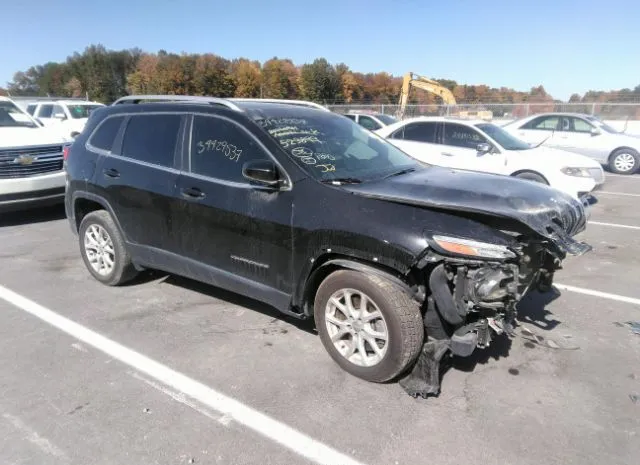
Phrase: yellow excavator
[429,85]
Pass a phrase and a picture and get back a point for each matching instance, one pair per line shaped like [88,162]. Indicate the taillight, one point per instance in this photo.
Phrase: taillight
[65,152]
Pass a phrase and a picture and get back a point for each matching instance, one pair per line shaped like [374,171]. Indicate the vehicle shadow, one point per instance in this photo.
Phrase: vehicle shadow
[531,311]
[32,216]
[233,298]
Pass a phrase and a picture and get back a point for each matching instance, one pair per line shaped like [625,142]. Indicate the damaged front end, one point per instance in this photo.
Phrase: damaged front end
[470,301]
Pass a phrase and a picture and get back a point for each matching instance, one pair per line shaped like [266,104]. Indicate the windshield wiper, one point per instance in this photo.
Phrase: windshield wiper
[342,181]
[398,173]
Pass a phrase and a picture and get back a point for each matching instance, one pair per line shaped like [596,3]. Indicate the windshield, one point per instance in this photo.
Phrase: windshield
[12,116]
[601,124]
[330,147]
[386,119]
[502,137]
[81,111]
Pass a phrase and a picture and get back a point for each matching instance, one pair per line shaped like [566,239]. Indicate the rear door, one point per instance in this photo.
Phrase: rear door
[419,140]
[539,129]
[44,113]
[138,177]
[225,221]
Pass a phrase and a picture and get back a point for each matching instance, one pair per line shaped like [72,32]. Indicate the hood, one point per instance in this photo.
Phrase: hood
[561,158]
[11,137]
[552,214]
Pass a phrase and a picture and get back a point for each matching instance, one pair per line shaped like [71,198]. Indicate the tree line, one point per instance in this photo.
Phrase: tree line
[105,75]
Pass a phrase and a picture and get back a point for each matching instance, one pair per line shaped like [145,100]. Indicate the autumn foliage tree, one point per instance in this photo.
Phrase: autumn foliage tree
[106,75]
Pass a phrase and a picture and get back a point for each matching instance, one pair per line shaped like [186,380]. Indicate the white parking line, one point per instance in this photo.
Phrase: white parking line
[618,193]
[605,295]
[614,225]
[626,176]
[270,428]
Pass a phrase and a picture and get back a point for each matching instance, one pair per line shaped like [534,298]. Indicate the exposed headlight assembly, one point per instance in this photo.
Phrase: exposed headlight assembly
[578,172]
[471,248]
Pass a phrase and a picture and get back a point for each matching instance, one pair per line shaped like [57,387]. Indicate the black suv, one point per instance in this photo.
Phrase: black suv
[398,262]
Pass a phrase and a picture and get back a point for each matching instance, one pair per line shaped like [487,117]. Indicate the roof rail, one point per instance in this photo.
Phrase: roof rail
[283,101]
[177,98]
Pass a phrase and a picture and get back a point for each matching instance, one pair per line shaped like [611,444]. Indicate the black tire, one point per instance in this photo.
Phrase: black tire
[123,270]
[624,152]
[531,176]
[401,314]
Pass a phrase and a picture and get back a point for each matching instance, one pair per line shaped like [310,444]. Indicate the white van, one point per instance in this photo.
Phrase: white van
[31,160]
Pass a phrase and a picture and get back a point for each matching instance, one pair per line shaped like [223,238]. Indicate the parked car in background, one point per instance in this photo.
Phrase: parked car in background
[303,209]
[482,146]
[31,159]
[583,134]
[371,121]
[69,116]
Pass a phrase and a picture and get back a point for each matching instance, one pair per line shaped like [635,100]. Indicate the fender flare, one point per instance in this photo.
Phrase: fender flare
[355,265]
[515,173]
[99,200]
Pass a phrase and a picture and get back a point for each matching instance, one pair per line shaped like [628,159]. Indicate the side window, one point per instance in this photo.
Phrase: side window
[576,125]
[105,134]
[45,111]
[369,123]
[459,135]
[152,138]
[219,148]
[351,117]
[421,132]
[542,123]
[31,108]
[58,111]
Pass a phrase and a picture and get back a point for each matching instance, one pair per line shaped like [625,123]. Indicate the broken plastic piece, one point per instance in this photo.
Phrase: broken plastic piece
[424,379]
[561,343]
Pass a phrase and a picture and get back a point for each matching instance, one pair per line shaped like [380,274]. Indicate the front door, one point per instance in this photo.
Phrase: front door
[575,135]
[459,149]
[224,221]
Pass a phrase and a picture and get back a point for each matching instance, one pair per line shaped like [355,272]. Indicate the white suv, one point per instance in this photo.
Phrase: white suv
[31,160]
[69,116]
[478,145]
[583,134]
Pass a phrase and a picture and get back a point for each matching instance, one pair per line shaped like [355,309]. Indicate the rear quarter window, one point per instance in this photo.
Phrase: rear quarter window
[152,138]
[105,134]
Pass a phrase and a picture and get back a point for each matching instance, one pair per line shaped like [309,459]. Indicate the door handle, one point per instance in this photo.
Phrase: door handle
[111,173]
[192,193]
[447,154]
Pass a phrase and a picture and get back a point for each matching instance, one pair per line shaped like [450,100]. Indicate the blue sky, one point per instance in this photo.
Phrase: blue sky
[565,45]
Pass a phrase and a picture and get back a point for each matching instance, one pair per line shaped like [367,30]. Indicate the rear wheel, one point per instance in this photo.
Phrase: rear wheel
[103,249]
[370,326]
[531,176]
[624,161]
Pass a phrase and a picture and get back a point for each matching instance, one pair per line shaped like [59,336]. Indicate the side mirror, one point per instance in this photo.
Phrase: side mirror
[483,148]
[595,131]
[60,116]
[263,172]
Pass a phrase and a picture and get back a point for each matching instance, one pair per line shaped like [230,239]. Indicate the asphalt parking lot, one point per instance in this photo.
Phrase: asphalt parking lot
[267,392]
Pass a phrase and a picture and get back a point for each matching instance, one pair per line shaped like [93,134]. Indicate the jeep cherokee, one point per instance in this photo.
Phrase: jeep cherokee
[398,262]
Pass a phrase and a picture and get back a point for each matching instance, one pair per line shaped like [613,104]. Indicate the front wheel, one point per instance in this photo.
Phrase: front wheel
[624,161]
[370,326]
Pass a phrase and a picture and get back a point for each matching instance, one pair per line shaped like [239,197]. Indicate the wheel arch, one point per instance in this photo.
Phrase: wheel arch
[329,263]
[84,203]
[527,170]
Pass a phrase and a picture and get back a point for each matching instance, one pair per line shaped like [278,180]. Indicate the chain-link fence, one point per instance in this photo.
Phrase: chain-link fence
[502,111]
